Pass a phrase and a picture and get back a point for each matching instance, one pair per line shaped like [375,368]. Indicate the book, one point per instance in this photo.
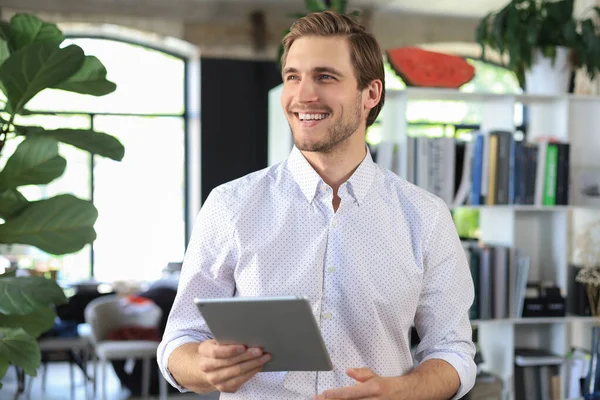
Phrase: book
[527,357]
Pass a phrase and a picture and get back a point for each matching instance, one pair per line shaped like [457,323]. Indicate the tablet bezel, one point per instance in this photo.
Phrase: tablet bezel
[283,326]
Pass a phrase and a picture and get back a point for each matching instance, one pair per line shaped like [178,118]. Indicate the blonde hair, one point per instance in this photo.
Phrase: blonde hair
[365,53]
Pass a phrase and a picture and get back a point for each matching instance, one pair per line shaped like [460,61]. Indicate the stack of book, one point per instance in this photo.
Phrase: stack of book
[537,374]
[490,169]
[500,278]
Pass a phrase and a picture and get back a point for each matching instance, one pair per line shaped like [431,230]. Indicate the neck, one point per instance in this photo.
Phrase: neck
[337,166]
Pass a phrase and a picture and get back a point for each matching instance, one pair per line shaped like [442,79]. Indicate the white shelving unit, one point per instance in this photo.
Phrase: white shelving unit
[544,233]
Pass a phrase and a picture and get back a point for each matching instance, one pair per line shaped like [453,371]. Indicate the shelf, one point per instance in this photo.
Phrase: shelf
[440,94]
[529,208]
[534,321]
[519,207]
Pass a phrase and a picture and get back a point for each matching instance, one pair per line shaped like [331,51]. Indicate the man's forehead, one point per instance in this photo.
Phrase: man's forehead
[317,52]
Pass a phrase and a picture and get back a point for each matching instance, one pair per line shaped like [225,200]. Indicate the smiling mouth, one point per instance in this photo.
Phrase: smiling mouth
[311,117]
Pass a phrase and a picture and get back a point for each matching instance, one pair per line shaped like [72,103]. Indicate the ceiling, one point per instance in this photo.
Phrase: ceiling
[204,10]
[464,8]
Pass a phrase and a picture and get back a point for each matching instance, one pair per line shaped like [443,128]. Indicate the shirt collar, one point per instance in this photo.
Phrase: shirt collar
[309,180]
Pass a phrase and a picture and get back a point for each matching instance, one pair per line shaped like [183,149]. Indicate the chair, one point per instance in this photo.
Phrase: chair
[77,350]
[106,313]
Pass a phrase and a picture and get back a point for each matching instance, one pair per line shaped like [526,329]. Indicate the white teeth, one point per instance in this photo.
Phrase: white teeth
[312,116]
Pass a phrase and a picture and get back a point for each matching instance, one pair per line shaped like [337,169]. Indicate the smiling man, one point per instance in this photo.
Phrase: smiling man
[374,254]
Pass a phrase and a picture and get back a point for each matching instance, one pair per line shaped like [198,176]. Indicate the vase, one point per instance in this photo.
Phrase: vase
[591,389]
[547,77]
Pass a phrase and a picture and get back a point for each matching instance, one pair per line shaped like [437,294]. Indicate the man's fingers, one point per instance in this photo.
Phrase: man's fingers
[360,374]
[234,384]
[360,391]
[212,349]
[223,375]
[211,364]
[321,397]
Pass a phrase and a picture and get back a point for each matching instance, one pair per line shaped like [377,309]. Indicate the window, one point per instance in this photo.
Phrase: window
[142,200]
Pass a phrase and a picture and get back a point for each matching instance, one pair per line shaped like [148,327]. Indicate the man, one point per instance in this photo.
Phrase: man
[374,254]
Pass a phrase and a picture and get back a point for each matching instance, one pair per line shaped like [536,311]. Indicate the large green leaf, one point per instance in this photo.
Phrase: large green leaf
[34,323]
[59,225]
[95,142]
[499,28]
[24,295]
[11,202]
[339,6]
[6,35]
[481,34]
[35,161]
[4,50]
[26,29]
[3,367]
[20,349]
[36,67]
[315,5]
[90,79]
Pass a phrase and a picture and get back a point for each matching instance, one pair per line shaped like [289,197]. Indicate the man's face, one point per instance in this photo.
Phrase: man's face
[320,94]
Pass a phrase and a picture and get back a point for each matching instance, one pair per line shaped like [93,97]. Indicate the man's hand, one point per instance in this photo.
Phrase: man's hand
[228,367]
[432,379]
[370,386]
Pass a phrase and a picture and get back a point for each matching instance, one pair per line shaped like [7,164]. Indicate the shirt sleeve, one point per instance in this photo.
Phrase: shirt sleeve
[442,317]
[207,271]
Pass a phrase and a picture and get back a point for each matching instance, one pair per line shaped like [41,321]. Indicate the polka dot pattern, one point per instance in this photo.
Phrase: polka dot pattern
[388,259]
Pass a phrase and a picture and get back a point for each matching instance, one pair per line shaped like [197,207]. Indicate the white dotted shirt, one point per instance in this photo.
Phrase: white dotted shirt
[388,259]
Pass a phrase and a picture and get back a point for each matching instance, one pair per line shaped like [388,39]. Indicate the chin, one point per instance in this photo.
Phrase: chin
[312,146]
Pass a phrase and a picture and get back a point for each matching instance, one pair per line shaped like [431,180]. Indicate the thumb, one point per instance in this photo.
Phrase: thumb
[360,374]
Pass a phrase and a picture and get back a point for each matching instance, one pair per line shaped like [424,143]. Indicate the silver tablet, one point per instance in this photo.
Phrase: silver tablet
[282,326]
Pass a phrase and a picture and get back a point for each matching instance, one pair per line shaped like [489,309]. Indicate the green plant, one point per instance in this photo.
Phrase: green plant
[339,6]
[33,59]
[523,26]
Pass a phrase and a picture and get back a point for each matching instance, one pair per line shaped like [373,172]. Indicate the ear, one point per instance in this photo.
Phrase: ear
[372,94]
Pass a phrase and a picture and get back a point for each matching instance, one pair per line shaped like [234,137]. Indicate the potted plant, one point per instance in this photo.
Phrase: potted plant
[544,42]
[31,60]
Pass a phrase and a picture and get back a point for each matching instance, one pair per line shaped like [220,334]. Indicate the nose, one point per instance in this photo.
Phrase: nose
[307,91]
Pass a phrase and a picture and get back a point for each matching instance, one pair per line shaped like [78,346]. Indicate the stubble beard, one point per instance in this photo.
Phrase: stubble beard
[336,133]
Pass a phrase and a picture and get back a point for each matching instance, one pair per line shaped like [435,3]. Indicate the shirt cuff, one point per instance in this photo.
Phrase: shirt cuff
[464,366]
[164,352]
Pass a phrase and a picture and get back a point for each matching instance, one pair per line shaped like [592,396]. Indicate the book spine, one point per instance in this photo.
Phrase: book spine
[476,171]
[492,174]
[550,175]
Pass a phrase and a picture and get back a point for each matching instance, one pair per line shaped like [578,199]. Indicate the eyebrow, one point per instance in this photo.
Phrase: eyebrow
[329,70]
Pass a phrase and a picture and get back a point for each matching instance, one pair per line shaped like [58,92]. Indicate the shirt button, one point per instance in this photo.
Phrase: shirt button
[327,315]
[334,223]
[331,269]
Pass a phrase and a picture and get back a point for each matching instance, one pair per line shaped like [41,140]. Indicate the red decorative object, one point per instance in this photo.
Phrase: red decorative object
[419,67]
[134,333]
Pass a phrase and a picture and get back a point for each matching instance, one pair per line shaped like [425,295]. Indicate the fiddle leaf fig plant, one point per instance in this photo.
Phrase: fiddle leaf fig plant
[33,59]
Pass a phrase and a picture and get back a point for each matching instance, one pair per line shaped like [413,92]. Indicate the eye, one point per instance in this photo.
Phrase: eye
[325,77]
[291,78]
